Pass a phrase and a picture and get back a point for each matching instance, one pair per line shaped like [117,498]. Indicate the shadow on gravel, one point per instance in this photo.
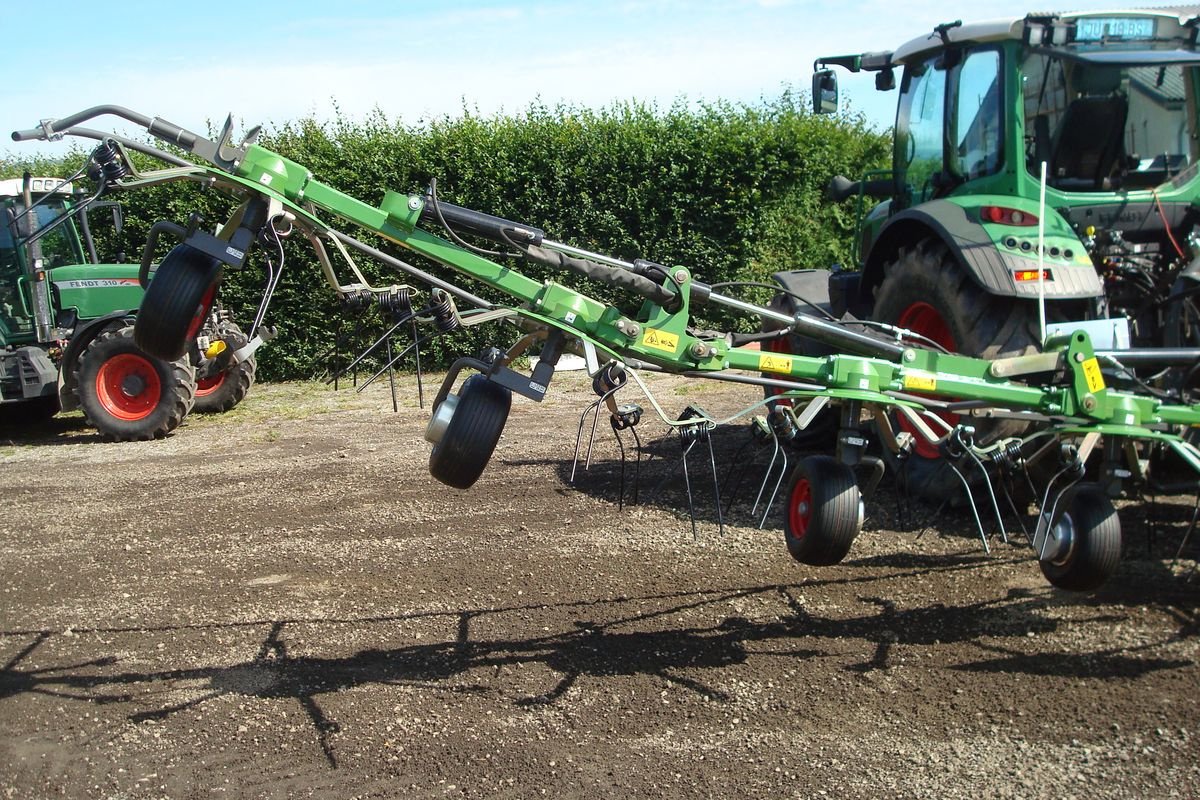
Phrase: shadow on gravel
[598,639]
[70,429]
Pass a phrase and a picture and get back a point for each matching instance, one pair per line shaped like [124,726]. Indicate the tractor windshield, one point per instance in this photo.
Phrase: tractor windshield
[1105,127]
[59,247]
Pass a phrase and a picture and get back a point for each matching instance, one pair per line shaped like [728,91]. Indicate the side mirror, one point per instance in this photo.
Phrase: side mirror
[824,91]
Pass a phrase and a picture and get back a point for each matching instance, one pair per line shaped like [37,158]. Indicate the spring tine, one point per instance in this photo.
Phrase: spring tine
[971,503]
[774,492]
[767,476]
[637,467]
[391,376]
[987,481]
[712,459]
[621,446]
[687,483]
[417,353]
[593,406]
[737,459]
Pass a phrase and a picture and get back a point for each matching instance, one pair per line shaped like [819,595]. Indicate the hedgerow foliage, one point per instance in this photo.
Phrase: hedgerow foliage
[733,191]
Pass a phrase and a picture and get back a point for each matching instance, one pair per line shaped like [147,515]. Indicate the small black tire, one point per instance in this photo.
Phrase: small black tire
[177,302]
[459,458]
[1095,546]
[824,511]
[926,290]
[127,394]
[821,433]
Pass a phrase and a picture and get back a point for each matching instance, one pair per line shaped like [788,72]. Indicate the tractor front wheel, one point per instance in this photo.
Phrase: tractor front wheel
[824,511]
[927,292]
[129,395]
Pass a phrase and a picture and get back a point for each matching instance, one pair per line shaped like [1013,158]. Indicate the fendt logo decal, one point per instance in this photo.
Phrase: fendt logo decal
[96,283]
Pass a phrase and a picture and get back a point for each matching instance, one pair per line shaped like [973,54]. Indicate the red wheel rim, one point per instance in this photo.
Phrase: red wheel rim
[128,387]
[800,508]
[206,386]
[202,310]
[922,318]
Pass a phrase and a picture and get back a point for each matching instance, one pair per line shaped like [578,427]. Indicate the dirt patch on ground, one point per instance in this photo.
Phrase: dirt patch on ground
[281,602]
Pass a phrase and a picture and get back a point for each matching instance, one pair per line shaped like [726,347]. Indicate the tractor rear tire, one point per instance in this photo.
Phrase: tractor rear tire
[177,302]
[128,395]
[459,458]
[1095,530]
[821,434]
[928,292]
[824,511]
[225,390]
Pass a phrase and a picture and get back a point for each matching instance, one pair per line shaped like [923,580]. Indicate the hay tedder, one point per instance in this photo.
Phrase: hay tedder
[1073,414]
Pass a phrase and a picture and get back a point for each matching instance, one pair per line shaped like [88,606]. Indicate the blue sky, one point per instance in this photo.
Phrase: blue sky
[269,62]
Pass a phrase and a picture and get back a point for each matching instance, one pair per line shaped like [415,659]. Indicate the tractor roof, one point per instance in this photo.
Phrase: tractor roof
[14,187]
[1176,27]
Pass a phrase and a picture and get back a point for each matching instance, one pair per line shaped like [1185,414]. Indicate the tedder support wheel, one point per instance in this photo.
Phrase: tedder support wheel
[821,433]
[466,444]
[177,302]
[926,291]
[129,395]
[221,392]
[1086,538]
[824,511]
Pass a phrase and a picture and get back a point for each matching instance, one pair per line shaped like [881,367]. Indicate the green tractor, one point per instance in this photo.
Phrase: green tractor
[1048,156]
[66,328]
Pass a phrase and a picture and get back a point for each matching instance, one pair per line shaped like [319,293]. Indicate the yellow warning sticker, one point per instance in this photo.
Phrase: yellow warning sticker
[773,363]
[920,383]
[1093,376]
[661,340]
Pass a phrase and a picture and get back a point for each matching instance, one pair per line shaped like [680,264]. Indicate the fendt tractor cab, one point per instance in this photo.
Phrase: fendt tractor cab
[66,335]
[961,247]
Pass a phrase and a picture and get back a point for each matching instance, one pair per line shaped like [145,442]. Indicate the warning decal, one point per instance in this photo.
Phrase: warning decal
[661,340]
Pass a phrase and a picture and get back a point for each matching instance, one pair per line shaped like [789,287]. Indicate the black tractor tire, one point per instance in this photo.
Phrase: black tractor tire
[127,394]
[824,511]
[926,290]
[1095,551]
[223,391]
[471,436]
[821,434]
[177,302]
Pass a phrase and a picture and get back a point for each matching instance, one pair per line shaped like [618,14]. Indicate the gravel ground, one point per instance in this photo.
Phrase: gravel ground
[280,602]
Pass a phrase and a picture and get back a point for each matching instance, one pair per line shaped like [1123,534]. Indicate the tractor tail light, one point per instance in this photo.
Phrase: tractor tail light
[1007,216]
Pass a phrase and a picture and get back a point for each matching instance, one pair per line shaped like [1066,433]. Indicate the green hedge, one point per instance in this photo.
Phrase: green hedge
[733,191]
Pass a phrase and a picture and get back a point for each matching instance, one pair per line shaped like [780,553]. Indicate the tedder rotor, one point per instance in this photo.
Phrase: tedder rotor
[870,380]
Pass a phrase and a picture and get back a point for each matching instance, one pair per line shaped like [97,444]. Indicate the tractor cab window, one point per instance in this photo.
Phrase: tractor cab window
[1106,127]
[949,124]
[920,128]
[978,143]
[59,247]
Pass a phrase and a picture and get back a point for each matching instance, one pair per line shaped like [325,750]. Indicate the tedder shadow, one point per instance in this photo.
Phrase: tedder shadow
[585,648]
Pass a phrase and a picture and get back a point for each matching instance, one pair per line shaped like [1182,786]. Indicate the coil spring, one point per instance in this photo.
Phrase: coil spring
[1010,457]
[609,378]
[357,301]
[398,301]
[108,159]
[445,315]
[691,434]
